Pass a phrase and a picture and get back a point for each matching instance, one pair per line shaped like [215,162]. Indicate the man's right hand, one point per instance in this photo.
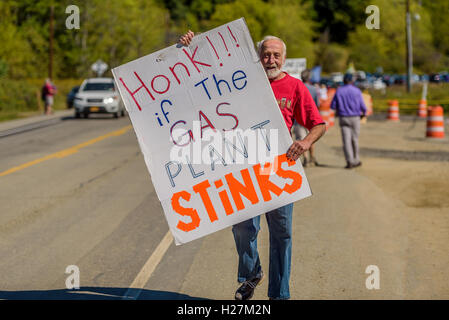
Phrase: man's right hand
[187,38]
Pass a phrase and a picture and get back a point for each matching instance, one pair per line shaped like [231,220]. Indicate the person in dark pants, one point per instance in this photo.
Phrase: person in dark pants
[350,108]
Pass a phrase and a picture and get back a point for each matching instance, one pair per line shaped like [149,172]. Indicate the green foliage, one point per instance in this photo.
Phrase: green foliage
[439,10]
[3,68]
[257,15]
[17,95]
[386,47]
[286,19]
[338,17]
[327,32]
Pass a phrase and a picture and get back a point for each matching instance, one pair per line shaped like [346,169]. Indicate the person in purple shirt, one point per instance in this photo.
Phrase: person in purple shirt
[350,108]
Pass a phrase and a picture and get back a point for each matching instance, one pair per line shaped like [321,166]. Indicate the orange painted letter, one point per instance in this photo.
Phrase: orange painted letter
[192,213]
[246,189]
[201,189]
[264,182]
[288,174]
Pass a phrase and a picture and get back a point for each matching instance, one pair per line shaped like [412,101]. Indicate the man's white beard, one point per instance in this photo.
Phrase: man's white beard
[273,73]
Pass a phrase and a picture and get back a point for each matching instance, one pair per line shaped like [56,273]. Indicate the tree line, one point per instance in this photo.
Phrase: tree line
[330,33]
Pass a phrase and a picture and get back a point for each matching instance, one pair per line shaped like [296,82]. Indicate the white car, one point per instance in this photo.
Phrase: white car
[378,84]
[98,95]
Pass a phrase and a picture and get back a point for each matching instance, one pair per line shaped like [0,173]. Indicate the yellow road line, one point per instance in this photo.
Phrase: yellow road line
[147,270]
[66,152]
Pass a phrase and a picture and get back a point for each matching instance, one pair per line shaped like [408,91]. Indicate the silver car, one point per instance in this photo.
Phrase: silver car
[98,95]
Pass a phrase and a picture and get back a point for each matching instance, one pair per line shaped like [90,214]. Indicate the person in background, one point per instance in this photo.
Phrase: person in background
[301,132]
[350,108]
[48,92]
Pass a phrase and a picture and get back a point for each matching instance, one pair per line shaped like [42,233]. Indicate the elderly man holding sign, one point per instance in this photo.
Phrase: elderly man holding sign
[295,102]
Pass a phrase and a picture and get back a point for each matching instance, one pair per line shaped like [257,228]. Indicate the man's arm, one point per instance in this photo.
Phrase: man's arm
[300,146]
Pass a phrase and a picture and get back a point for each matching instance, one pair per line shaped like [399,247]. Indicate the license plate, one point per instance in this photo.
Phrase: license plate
[94,109]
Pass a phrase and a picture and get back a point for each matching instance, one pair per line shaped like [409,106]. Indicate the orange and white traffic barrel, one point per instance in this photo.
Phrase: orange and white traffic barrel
[331,118]
[393,110]
[325,111]
[422,109]
[435,122]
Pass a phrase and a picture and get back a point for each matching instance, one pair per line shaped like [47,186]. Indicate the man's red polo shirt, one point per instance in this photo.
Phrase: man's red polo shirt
[295,102]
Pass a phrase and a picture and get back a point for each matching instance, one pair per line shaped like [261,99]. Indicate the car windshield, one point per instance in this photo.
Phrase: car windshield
[99,86]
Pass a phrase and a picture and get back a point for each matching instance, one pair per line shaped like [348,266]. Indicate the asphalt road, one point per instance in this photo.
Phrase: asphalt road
[80,196]
[76,192]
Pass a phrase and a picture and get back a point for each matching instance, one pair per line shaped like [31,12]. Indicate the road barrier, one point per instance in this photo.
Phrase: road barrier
[409,106]
[393,110]
[326,112]
[435,122]
[422,108]
[331,118]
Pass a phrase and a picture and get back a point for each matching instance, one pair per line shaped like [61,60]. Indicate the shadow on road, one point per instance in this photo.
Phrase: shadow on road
[323,165]
[92,293]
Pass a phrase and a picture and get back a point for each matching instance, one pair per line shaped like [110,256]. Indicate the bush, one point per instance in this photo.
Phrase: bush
[24,96]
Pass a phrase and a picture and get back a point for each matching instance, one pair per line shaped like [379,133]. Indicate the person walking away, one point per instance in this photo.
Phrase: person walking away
[298,105]
[350,108]
[300,131]
[48,91]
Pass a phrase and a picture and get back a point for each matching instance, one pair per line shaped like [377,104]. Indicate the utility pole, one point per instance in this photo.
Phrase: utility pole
[408,38]
[50,51]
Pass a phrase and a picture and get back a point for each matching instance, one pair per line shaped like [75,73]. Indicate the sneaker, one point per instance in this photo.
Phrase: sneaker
[246,290]
[315,163]
[357,164]
[349,166]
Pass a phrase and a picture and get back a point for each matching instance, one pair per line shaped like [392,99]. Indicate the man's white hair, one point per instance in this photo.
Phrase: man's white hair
[266,38]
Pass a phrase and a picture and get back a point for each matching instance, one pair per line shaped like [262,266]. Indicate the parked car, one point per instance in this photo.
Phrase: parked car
[444,76]
[435,77]
[424,78]
[337,77]
[71,96]
[98,95]
[378,84]
[400,79]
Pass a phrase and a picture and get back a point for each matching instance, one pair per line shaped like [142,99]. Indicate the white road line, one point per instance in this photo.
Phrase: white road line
[147,270]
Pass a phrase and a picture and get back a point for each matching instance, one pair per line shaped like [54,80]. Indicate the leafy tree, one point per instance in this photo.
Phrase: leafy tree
[15,50]
[386,47]
[338,17]
[439,10]
[295,27]
[286,19]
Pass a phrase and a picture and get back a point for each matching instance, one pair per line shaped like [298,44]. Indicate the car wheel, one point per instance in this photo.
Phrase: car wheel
[116,115]
[86,115]
[77,115]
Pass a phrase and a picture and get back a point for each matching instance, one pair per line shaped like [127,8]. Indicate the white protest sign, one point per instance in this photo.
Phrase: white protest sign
[294,66]
[211,132]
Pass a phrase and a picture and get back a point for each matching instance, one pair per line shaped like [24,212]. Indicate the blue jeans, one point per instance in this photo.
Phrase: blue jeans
[245,235]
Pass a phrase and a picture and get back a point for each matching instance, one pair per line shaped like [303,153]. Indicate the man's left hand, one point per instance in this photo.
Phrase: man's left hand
[297,148]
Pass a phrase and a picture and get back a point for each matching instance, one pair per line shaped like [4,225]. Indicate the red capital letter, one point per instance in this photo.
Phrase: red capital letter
[135,91]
